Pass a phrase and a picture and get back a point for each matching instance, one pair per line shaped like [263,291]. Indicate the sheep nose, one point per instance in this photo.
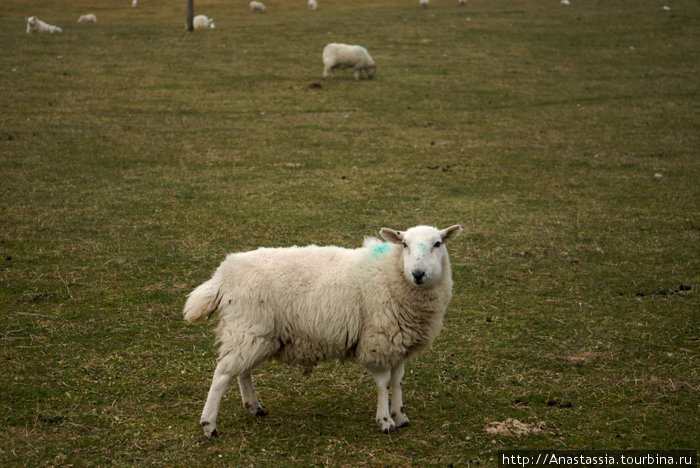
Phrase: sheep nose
[418,276]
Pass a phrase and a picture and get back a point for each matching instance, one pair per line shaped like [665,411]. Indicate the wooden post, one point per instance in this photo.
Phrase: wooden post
[190,15]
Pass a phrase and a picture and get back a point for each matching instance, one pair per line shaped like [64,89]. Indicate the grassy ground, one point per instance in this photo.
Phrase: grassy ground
[134,156]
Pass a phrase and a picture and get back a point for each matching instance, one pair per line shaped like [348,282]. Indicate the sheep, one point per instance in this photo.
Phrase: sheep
[424,3]
[202,22]
[257,7]
[378,305]
[89,18]
[35,25]
[345,56]
[313,5]
[462,2]
[134,3]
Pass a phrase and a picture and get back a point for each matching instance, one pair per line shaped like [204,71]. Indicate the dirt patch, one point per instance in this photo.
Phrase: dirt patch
[582,357]
[513,428]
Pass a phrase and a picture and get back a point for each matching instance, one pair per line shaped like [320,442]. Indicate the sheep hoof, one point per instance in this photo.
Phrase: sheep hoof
[209,431]
[387,426]
[260,413]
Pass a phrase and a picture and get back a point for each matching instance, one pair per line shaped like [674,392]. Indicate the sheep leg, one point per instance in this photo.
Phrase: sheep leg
[357,74]
[328,71]
[222,377]
[383,379]
[250,398]
[252,351]
[397,412]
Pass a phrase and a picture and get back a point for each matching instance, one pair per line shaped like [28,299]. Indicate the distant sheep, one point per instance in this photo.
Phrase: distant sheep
[89,18]
[202,22]
[343,56]
[257,7]
[462,2]
[424,3]
[313,5]
[379,305]
[134,3]
[35,25]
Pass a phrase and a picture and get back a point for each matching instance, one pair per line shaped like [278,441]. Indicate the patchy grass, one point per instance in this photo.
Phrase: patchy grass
[134,156]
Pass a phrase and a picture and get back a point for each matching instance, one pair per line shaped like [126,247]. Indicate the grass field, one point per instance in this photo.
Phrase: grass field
[134,156]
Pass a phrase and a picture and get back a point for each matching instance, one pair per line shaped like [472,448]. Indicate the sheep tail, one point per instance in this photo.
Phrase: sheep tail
[204,301]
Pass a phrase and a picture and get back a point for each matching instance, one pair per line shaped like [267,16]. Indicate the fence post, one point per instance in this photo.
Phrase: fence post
[190,15]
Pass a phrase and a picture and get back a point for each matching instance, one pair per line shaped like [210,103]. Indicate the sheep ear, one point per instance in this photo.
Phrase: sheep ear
[395,237]
[450,233]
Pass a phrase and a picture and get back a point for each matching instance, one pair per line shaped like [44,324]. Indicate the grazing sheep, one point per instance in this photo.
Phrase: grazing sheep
[257,7]
[462,2]
[347,56]
[89,18]
[424,3]
[134,3]
[313,5]
[202,22]
[379,305]
[35,25]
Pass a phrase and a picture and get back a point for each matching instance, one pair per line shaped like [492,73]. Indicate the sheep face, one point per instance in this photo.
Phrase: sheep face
[423,253]
[371,71]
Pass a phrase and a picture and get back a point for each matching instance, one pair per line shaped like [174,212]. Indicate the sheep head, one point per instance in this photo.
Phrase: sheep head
[423,251]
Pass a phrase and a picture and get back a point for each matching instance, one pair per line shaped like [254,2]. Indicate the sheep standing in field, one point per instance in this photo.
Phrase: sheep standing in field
[424,3]
[313,5]
[89,18]
[379,305]
[462,2]
[202,22]
[35,25]
[257,7]
[347,56]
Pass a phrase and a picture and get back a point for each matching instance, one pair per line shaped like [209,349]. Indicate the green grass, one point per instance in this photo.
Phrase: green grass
[134,156]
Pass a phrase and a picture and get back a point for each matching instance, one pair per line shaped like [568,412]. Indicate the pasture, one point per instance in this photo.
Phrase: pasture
[135,155]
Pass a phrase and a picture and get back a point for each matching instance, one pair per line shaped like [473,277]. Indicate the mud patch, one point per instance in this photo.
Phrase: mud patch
[513,428]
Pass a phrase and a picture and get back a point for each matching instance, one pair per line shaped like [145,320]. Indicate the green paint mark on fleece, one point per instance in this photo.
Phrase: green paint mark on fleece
[380,250]
[422,247]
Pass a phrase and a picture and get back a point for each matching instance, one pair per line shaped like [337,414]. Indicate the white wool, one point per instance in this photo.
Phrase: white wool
[342,56]
[378,304]
[258,7]
[202,22]
[424,3]
[313,5]
[35,25]
[134,3]
[89,18]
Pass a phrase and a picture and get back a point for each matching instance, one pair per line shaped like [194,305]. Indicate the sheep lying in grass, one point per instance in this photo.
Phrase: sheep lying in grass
[202,22]
[89,18]
[347,56]
[257,7]
[313,5]
[35,25]
[379,305]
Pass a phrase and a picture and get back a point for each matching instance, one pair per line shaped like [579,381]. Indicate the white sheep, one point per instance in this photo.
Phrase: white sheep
[134,3]
[313,5]
[257,7]
[424,3]
[462,2]
[378,305]
[89,18]
[35,25]
[343,56]
[203,22]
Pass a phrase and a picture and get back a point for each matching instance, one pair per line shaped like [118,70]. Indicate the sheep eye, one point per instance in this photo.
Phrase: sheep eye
[437,244]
